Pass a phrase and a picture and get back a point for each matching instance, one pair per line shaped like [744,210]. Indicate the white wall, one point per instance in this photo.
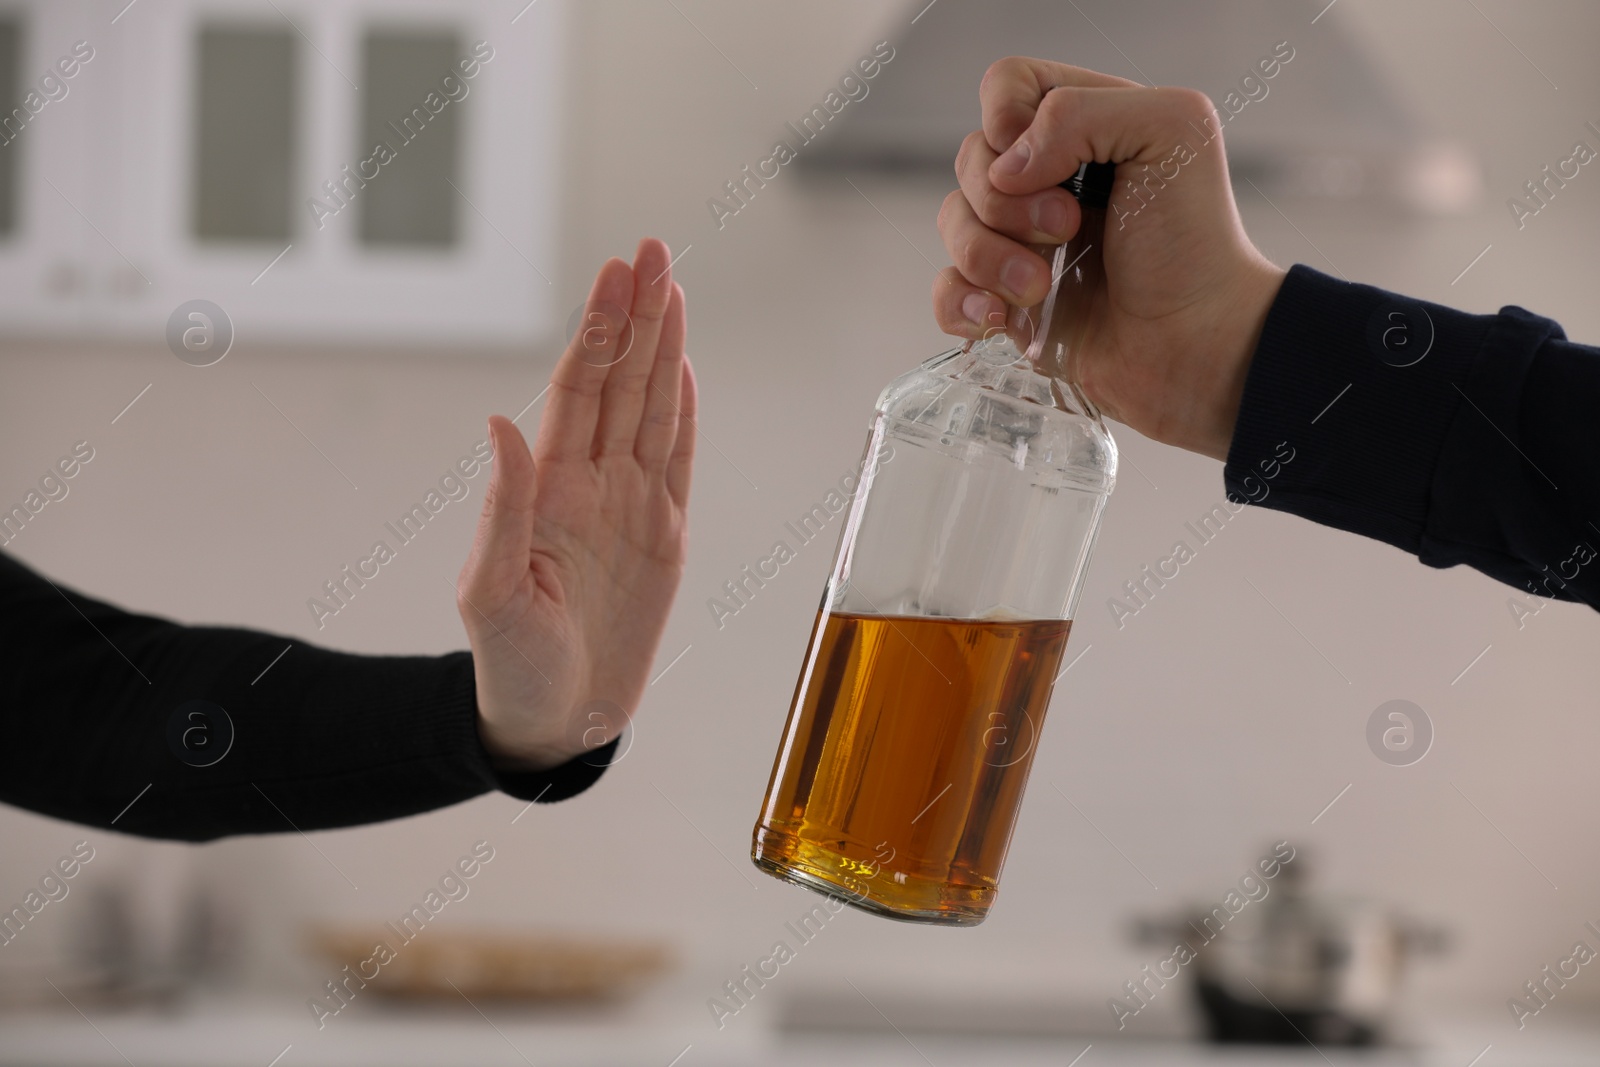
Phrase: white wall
[1204,729]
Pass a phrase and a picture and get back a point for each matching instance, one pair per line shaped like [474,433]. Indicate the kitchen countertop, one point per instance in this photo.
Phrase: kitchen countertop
[665,1033]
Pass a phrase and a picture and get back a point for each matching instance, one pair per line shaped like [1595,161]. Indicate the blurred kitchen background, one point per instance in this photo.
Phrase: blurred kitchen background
[1229,715]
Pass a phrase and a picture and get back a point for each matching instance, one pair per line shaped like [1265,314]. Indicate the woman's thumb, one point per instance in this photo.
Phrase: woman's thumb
[505,527]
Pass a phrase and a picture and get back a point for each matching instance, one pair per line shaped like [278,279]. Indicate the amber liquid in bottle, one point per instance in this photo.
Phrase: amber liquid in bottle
[904,759]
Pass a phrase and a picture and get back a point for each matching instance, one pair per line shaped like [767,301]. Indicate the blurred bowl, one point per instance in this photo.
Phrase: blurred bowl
[526,967]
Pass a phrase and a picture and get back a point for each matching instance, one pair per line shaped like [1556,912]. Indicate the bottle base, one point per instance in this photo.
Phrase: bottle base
[891,895]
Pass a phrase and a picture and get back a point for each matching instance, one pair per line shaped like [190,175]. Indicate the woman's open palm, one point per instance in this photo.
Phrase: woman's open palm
[582,542]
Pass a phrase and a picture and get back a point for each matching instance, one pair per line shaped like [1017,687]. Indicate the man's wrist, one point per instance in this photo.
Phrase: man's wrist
[1258,291]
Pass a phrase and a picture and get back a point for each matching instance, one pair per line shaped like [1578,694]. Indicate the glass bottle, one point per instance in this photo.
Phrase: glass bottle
[942,626]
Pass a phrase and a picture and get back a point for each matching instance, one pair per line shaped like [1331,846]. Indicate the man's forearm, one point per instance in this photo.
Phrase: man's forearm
[1455,437]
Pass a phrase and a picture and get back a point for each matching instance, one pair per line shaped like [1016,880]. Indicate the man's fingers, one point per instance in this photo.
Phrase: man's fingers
[965,310]
[1047,217]
[659,422]
[505,526]
[1013,87]
[991,260]
[633,361]
[573,410]
[1074,126]
[681,463]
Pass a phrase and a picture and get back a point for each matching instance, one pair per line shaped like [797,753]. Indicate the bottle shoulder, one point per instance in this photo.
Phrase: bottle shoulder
[989,396]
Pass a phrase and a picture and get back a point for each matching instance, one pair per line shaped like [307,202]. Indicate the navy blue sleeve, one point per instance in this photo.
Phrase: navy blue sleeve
[111,720]
[1457,438]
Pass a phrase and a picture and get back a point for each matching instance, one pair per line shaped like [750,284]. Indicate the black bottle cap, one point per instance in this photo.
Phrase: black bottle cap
[1092,184]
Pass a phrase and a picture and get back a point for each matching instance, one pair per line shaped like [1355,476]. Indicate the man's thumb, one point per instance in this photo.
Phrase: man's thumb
[1123,125]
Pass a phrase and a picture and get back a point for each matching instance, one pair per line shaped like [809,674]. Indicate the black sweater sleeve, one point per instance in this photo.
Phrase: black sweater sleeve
[1458,438]
[101,727]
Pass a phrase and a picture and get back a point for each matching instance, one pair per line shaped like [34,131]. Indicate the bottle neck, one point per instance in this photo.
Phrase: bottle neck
[1058,323]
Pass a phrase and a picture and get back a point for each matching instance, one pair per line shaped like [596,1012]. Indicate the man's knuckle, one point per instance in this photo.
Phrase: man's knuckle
[968,255]
[949,208]
[993,207]
[990,73]
[1187,104]
[1000,70]
[1058,107]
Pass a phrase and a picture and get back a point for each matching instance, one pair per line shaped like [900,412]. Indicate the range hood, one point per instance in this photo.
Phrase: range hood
[1328,124]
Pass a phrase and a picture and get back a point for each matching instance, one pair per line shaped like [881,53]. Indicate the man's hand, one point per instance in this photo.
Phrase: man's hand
[581,544]
[1186,293]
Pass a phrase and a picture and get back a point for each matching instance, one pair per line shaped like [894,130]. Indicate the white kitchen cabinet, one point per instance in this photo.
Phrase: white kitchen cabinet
[183,162]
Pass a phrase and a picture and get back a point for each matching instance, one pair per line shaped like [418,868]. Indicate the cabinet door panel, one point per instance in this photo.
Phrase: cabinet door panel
[229,152]
[58,264]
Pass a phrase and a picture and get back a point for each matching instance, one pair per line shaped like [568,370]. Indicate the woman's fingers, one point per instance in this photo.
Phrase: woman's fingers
[505,526]
[572,413]
[681,462]
[659,421]
[990,260]
[619,387]
[632,361]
